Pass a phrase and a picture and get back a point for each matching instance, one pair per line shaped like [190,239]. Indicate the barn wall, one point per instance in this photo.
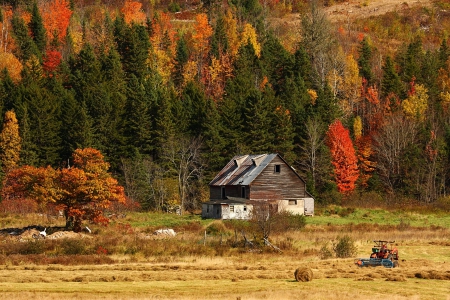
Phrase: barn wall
[215,192]
[309,206]
[296,206]
[277,186]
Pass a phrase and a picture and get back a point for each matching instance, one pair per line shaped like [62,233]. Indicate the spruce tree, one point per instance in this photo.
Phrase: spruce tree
[42,110]
[365,61]
[137,118]
[390,82]
[219,39]
[194,109]
[26,48]
[37,29]
[181,58]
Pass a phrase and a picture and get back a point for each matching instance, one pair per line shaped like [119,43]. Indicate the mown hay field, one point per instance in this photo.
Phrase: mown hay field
[243,273]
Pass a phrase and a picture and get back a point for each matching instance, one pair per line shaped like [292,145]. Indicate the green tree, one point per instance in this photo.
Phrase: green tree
[37,28]
[365,61]
[133,45]
[181,58]
[27,48]
[138,125]
[391,83]
[219,39]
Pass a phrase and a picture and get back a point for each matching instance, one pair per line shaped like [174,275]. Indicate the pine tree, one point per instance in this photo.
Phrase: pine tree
[364,61]
[219,39]
[181,58]
[24,41]
[42,110]
[138,125]
[277,62]
[410,61]
[133,46]
[37,29]
[258,123]
[193,110]
[443,53]
[391,83]
[213,141]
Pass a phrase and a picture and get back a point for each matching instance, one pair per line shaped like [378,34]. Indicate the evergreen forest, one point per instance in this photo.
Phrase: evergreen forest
[169,92]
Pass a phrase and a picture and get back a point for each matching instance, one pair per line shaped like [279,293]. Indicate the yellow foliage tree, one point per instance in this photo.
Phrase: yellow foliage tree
[357,127]
[232,34]
[416,103]
[249,35]
[10,142]
[351,85]
[12,64]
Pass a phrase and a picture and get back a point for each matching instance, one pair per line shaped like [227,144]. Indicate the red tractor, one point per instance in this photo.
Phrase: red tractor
[383,254]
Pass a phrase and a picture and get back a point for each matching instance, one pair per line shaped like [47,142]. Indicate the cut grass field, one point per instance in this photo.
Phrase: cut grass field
[188,267]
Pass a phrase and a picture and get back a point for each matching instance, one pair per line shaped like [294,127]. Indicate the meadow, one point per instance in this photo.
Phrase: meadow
[208,259]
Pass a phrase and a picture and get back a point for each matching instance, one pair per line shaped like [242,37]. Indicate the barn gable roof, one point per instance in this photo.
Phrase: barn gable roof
[243,169]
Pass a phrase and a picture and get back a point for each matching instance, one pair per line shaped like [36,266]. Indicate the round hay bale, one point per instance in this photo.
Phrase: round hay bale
[303,274]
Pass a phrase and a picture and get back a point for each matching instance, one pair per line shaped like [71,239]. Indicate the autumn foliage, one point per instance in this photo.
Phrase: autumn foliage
[83,191]
[56,15]
[343,157]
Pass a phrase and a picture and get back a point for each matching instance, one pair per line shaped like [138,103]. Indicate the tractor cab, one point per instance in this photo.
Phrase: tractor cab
[384,249]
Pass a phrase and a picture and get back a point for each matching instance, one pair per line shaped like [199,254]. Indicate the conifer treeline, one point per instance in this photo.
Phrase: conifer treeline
[155,94]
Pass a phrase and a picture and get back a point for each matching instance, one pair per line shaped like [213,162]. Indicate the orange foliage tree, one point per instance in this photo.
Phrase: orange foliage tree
[132,12]
[83,191]
[343,157]
[56,16]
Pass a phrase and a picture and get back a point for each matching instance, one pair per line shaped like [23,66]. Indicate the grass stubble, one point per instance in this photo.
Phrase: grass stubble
[424,271]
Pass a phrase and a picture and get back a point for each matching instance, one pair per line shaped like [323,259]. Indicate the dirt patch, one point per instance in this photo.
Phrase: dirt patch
[34,231]
[352,10]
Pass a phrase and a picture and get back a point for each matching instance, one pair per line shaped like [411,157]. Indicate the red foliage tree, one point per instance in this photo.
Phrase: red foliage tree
[343,157]
[52,60]
[83,191]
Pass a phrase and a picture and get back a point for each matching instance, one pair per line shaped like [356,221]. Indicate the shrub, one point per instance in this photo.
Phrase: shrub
[32,247]
[216,228]
[345,247]
[174,7]
[73,247]
[325,252]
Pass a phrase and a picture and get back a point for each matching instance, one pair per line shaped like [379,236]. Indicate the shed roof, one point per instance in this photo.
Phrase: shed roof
[242,169]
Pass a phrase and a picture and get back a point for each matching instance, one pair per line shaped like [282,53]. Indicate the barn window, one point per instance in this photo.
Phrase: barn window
[223,193]
[231,208]
[243,192]
[277,168]
[292,202]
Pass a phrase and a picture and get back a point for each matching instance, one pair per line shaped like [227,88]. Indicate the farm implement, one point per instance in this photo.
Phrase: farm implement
[383,254]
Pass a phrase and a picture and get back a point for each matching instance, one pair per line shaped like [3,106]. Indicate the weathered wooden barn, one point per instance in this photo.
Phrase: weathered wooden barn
[249,179]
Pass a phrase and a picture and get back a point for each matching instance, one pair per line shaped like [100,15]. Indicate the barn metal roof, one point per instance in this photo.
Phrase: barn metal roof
[242,169]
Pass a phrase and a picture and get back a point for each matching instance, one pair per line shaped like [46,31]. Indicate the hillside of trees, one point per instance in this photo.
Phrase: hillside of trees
[169,92]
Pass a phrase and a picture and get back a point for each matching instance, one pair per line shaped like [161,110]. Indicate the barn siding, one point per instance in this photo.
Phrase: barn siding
[277,186]
[215,192]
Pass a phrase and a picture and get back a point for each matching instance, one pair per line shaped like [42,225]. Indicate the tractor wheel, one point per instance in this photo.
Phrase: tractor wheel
[396,264]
